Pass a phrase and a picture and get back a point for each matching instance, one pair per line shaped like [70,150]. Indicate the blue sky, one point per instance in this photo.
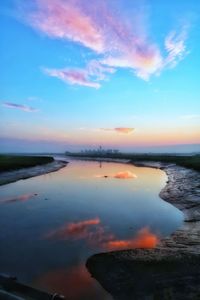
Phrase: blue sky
[121,74]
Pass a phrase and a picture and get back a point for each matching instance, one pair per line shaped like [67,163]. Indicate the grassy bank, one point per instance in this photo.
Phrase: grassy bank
[192,162]
[14,162]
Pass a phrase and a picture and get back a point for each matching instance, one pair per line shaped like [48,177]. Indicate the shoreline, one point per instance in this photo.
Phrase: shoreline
[25,173]
[171,270]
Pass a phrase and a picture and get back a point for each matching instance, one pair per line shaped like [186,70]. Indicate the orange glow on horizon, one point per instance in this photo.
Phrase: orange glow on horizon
[90,137]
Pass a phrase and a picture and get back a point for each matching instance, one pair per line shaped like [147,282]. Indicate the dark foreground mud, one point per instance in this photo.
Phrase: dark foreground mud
[172,269]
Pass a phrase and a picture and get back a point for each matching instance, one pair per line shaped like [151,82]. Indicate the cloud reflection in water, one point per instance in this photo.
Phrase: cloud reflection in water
[79,230]
[119,175]
[95,234]
[75,283]
[21,198]
[143,239]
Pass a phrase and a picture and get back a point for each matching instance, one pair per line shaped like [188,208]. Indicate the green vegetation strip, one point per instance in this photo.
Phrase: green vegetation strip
[15,162]
[192,162]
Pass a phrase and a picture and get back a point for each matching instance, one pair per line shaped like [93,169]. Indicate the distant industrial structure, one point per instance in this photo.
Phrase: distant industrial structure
[100,151]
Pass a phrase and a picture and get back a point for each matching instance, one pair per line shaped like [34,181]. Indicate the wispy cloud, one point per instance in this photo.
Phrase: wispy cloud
[176,48]
[34,98]
[19,106]
[117,42]
[89,77]
[124,130]
[78,77]
[66,20]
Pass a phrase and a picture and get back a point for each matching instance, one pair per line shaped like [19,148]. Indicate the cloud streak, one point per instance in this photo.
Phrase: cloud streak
[123,130]
[89,77]
[116,41]
[176,48]
[73,77]
[25,108]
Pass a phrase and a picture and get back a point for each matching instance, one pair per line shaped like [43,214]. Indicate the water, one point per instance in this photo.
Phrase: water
[51,224]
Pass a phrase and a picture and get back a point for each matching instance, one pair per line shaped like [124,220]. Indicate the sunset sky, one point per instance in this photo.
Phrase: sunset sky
[77,74]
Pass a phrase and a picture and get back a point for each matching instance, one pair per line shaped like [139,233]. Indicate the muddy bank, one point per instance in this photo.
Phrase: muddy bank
[12,176]
[172,269]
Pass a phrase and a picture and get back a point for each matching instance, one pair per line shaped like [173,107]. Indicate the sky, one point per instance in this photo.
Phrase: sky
[122,74]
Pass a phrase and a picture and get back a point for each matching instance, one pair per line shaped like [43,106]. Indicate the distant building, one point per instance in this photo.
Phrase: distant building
[100,151]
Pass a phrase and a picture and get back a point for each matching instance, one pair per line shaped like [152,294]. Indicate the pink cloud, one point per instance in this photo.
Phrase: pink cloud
[86,77]
[118,42]
[128,46]
[19,106]
[66,20]
[73,76]
[124,130]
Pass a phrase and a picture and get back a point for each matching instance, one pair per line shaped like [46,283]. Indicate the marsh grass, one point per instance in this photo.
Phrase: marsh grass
[15,162]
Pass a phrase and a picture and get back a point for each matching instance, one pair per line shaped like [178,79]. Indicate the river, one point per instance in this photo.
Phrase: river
[51,224]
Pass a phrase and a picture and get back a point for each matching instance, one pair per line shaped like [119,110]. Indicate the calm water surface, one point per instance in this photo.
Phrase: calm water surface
[51,224]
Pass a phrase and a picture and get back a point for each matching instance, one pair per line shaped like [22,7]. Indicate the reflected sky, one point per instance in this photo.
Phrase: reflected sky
[56,221]
[80,285]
